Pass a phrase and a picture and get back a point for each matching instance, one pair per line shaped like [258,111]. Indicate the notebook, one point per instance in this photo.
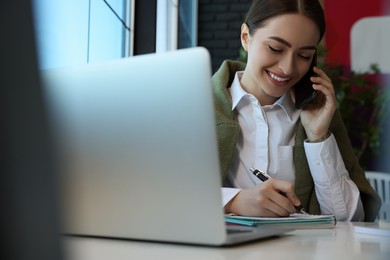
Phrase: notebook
[137,145]
[296,221]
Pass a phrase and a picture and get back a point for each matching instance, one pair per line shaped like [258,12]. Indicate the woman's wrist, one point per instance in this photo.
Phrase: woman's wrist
[319,139]
[227,207]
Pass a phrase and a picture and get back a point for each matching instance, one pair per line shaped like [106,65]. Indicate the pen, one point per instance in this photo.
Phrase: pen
[264,177]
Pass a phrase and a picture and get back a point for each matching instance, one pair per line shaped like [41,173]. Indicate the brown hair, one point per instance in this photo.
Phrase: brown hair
[262,10]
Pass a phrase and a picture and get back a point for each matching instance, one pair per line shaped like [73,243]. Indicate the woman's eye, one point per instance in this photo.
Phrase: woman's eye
[274,49]
[305,57]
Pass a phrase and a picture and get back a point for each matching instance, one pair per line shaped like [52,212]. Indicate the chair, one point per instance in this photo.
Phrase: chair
[370,41]
[380,181]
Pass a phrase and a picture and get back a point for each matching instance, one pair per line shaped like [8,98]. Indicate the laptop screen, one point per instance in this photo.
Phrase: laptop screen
[138,147]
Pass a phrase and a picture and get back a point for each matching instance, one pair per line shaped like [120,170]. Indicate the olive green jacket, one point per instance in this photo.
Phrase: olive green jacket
[228,132]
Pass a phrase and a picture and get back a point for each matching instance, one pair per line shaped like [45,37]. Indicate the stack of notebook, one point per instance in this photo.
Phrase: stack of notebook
[295,221]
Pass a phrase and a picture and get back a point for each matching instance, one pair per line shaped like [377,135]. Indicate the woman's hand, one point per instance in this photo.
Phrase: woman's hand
[265,200]
[316,116]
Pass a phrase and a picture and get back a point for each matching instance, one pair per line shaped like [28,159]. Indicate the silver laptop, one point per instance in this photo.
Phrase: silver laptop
[137,146]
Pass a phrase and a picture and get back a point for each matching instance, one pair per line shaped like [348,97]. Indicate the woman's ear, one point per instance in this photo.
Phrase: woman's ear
[244,36]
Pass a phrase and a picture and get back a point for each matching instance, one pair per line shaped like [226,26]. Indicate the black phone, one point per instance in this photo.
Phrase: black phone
[304,92]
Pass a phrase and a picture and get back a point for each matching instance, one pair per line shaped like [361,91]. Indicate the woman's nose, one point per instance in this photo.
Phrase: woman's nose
[287,65]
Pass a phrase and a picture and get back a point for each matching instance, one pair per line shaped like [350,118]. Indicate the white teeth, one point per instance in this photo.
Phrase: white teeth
[278,78]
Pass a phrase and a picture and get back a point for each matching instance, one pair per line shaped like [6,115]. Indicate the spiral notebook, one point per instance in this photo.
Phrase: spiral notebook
[295,221]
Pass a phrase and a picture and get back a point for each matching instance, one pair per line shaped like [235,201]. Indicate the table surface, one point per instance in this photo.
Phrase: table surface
[331,244]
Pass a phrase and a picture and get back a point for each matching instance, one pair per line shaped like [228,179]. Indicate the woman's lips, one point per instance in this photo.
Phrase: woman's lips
[278,80]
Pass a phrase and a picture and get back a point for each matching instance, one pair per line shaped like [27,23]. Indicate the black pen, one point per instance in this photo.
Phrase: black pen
[264,177]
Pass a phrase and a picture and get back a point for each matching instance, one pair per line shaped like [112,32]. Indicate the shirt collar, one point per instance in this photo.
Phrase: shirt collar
[287,104]
[236,90]
[238,93]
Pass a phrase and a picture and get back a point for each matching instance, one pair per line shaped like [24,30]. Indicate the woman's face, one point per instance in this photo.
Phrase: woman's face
[279,55]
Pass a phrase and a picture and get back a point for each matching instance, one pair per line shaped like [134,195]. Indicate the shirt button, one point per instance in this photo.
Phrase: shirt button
[329,162]
[317,162]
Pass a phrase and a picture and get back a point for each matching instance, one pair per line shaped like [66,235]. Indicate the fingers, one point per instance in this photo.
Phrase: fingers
[322,83]
[326,97]
[278,205]
[283,194]
[321,73]
[270,199]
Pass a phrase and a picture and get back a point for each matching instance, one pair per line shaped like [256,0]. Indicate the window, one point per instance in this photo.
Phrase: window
[75,32]
[176,25]
[81,31]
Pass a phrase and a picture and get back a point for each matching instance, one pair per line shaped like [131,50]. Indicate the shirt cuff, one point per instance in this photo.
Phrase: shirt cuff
[228,194]
[325,161]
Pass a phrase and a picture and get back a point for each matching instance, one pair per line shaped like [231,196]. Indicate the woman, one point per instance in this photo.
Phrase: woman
[306,152]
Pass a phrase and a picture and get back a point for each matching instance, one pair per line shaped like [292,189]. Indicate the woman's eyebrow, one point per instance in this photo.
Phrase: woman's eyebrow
[282,41]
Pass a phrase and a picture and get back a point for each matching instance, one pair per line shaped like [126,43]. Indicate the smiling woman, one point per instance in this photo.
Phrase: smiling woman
[306,152]
[276,44]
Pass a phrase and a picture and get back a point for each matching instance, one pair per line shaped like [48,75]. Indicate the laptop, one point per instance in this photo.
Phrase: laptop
[137,146]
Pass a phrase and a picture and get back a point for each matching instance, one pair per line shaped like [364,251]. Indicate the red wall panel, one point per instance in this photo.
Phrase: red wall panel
[340,16]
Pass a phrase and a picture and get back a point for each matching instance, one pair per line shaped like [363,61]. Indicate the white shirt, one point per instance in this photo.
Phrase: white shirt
[266,142]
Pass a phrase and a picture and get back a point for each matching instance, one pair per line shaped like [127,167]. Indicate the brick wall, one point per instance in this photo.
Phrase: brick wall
[219,26]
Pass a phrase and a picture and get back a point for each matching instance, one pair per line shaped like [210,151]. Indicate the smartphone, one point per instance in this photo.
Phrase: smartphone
[304,92]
